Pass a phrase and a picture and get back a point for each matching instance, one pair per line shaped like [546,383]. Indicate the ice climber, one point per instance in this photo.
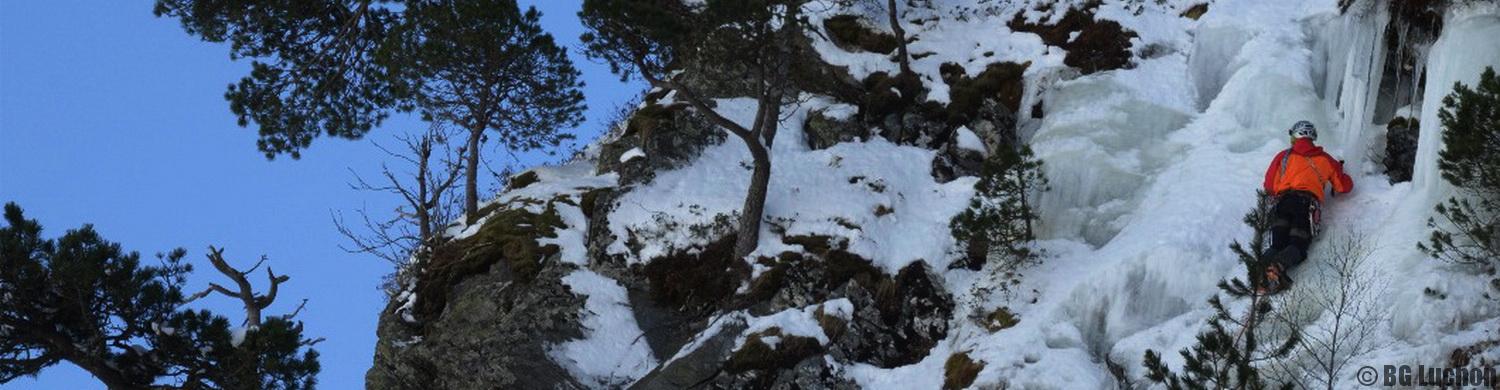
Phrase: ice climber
[1296,182]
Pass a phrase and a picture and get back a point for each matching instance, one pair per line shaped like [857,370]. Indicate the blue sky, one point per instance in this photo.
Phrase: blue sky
[111,116]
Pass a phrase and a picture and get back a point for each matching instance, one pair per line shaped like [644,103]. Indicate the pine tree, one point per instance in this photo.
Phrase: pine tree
[1225,359]
[1256,257]
[1001,215]
[1470,160]
[489,68]
[725,41]
[341,68]
[82,299]
[313,64]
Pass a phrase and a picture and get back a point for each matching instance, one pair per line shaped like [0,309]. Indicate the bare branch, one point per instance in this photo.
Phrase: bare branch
[294,313]
[212,287]
[257,265]
[270,296]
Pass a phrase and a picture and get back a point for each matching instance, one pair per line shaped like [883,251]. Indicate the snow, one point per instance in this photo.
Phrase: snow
[552,180]
[237,334]
[791,322]
[715,326]
[816,192]
[840,111]
[613,352]
[972,42]
[926,374]
[967,140]
[407,343]
[798,322]
[408,299]
[632,154]
[570,240]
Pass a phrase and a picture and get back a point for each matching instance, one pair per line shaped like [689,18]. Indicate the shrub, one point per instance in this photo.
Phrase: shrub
[784,353]
[1470,160]
[1001,215]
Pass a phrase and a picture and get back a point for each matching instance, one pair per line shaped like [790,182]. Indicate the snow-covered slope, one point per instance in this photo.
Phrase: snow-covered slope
[1151,168]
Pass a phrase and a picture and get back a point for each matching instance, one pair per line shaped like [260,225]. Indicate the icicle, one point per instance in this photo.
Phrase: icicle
[1352,69]
[1465,48]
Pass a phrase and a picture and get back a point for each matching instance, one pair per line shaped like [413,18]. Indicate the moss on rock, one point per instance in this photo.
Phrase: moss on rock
[1196,11]
[509,236]
[848,33]
[757,354]
[960,371]
[1000,319]
[696,281]
[842,265]
[833,326]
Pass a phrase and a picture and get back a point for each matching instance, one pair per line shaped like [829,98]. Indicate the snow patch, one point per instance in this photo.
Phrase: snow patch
[797,322]
[570,239]
[237,334]
[632,154]
[967,140]
[613,351]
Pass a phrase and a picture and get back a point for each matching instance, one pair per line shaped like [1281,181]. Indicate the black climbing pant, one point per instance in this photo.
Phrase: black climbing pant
[1292,229]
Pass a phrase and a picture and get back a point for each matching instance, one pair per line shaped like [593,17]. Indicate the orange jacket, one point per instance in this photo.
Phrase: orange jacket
[1306,167]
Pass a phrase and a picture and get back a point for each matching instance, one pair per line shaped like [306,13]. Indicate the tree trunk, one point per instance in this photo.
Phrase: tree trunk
[471,175]
[424,154]
[1022,189]
[112,378]
[900,37]
[755,201]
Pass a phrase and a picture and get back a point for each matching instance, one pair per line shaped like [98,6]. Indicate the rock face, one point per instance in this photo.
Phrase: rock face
[493,334]
[1400,149]
[895,321]
[666,136]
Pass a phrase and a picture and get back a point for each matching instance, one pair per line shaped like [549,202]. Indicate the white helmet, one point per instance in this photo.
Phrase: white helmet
[1303,129]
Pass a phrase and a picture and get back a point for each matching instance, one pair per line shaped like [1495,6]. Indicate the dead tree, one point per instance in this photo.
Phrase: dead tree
[244,291]
[426,192]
